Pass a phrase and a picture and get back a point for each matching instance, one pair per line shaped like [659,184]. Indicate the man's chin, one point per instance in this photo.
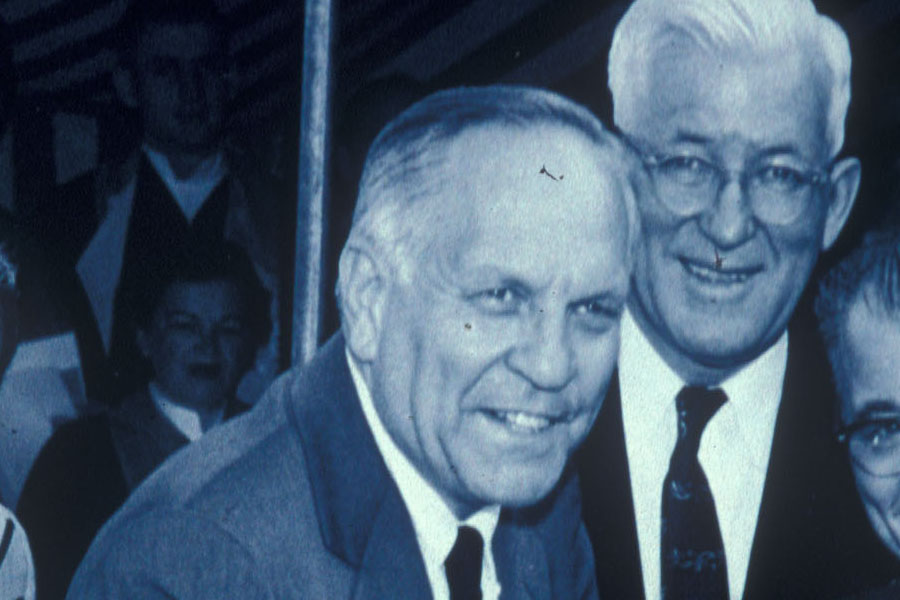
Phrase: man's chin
[514,489]
[720,344]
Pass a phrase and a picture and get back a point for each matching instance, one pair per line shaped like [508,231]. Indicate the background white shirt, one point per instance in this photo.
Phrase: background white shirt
[186,420]
[16,566]
[734,450]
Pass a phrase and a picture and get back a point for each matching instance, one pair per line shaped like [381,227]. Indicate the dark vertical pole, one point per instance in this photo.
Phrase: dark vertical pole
[312,186]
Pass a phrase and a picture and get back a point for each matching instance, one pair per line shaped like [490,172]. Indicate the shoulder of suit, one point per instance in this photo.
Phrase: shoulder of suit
[234,464]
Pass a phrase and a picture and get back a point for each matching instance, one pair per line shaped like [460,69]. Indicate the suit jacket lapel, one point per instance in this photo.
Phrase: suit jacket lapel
[391,566]
[361,515]
[143,437]
[809,517]
[520,562]
[608,509]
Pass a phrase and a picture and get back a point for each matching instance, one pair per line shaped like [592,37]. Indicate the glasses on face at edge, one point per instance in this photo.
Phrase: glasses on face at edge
[688,184]
[874,444]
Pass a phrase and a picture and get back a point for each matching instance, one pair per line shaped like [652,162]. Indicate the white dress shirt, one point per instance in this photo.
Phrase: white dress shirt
[100,265]
[191,192]
[16,566]
[434,523]
[186,420]
[734,450]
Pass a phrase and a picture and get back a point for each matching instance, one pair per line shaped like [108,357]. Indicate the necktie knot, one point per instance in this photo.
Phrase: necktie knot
[696,406]
[463,565]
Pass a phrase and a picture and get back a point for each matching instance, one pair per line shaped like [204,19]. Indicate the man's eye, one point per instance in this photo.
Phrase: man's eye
[686,169]
[684,163]
[231,328]
[596,315]
[881,434]
[500,300]
[780,177]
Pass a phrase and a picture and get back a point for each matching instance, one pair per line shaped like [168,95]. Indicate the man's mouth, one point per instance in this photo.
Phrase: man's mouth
[719,275]
[205,371]
[527,422]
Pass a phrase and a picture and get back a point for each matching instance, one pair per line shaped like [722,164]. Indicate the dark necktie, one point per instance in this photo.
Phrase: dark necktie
[693,555]
[463,565]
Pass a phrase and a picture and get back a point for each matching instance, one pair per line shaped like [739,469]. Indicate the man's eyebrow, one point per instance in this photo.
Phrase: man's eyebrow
[611,296]
[780,149]
[495,273]
[877,407]
[690,137]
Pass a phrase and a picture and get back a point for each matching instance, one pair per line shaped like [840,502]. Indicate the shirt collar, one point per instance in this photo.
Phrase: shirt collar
[734,452]
[433,521]
[190,193]
[211,167]
[186,420]
[754,392]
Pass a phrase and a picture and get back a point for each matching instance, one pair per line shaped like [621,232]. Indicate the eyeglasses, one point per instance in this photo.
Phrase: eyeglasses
[874,444]
[778,192]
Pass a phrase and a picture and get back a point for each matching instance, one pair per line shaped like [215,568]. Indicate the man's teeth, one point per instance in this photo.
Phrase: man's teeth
[524,421]
[715,275]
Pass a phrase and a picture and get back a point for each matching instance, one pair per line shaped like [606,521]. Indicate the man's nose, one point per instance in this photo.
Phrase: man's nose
[207,342]
[729,222]
[190,85]
[544,356]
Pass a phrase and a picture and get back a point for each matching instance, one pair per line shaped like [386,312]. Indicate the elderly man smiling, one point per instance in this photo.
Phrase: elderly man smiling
[421,454]
[712,472]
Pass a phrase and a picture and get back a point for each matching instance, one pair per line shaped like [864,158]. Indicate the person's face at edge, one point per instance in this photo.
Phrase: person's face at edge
[490,363]
[714,289]
[198,343]
[872,340]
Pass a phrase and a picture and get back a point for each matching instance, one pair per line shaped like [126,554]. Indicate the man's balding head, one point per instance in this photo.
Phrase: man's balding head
[482,284]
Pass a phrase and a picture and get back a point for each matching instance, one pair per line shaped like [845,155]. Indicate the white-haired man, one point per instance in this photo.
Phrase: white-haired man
[712,472]
[422,453]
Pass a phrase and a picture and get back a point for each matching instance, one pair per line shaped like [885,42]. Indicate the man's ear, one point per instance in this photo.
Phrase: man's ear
[364,291]
[845,176]
[123,81]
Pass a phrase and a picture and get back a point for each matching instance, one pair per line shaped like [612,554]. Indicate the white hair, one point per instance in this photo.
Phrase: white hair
[399,209]
[761,26]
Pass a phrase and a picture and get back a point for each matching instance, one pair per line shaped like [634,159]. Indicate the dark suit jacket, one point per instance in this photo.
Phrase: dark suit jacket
[293,500]
[83,474]
[812,538]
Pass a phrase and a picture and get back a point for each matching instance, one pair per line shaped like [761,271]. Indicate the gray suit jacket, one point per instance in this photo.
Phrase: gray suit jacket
[84,474]
[293,500]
